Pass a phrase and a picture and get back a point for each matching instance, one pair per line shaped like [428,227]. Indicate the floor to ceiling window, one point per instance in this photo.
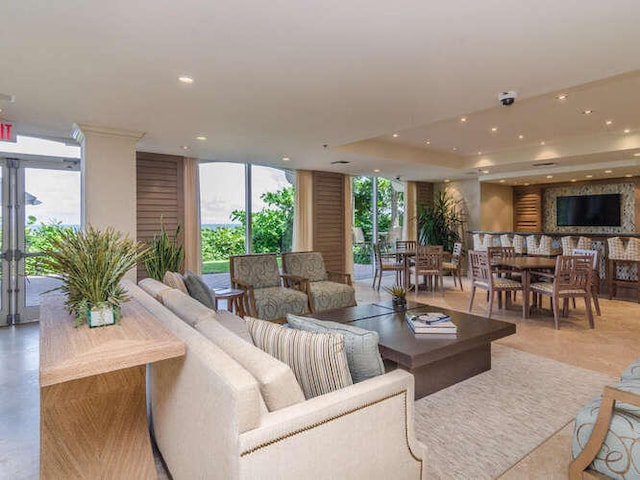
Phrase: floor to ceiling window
[381,225]
[226,210]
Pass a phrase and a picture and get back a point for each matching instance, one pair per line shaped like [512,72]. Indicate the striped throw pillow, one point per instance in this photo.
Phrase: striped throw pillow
[318,360]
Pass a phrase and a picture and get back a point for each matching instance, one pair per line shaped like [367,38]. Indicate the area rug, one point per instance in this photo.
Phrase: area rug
[479,428]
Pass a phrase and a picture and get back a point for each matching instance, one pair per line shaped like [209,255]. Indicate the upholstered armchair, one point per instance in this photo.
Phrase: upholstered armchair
[265,295]
[327,290]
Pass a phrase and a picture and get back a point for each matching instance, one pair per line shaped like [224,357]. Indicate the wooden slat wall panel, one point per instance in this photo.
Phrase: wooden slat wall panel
[328,219]
[424,193]
[159,180]
[527,209]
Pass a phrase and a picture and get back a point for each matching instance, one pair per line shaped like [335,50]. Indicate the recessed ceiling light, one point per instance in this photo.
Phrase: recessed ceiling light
[628,175]
[376,170]
[202,138]
[285,159]
[587,112]
[395,135]
[527,184]
[607,171]
[636,154]
[485,171]
[446,180]
[549,176]
[520,137]
[479,153]
[428,142]
[573,180]
[494,129]
[542,142]
[185,147]
[589,176]
[562,96]
[608,122]
[454,148]
[502,180]
[185,79]
[463,119]
[627,130]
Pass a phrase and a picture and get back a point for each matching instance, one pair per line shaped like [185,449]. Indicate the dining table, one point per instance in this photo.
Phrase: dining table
[525,265]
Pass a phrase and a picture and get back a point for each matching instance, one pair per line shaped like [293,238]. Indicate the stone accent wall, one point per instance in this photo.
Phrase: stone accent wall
[627,217]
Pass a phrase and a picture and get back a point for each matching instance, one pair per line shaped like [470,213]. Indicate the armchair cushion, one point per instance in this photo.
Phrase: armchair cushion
[276,302]
[309,265]
[199,290]
[318,360]
[360,345]
[331,295]
[259,271]
[619,456]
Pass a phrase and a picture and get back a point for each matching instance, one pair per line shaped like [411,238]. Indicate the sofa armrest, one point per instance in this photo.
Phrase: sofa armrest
[340,277]
[361,431]
[610,396]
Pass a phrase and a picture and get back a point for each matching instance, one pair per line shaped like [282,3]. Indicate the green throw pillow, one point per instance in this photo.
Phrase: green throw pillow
[360,345]
[199,290]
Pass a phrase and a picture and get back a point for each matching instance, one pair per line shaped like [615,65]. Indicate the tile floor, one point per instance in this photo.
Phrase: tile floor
[613,344]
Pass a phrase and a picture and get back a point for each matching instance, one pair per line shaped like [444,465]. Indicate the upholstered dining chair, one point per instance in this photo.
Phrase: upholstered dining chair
[386,263]
[454,264]
[327,290]
[483,277]
[428,263]
[266,297]
[572,279]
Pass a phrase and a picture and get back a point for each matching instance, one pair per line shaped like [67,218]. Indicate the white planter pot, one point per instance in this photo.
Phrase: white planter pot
[100,317]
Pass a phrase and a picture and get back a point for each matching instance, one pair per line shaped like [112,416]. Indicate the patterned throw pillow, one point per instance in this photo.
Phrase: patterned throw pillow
[175,280]
[361,345]
[318,360]
[199,290]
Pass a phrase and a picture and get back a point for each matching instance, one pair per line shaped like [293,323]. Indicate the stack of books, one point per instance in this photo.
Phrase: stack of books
[431,323]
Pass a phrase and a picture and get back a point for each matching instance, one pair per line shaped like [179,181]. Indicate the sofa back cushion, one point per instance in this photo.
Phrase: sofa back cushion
[188,309]
[318,360]
[153,287]
[309,265]
[259,271]
[175,280]
[361,345]
[278,385]
[199,290]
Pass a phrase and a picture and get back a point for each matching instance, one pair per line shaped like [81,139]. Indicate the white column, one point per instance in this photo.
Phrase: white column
[108,173]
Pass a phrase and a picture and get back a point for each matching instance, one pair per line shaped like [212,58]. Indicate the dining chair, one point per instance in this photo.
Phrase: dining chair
[595,277]
[386,263]
[428,263]
[454,264]
[483,277]
[572,279]
[406,245]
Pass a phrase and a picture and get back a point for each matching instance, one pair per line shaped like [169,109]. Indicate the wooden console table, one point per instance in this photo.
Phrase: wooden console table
[93,414]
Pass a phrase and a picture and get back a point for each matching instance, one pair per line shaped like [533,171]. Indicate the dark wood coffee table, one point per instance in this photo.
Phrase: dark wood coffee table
[435,361]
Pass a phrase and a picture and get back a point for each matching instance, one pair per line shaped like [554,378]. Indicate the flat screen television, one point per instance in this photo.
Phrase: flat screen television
[589,210]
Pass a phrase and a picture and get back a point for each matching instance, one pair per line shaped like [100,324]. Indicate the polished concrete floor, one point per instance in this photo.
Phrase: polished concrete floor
[608,348]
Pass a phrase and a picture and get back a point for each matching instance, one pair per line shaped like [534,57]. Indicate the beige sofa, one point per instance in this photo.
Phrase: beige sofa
[215,416]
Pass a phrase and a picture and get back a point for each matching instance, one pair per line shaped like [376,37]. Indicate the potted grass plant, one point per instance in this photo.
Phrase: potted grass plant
[91,263]
[398,295]
[165,254]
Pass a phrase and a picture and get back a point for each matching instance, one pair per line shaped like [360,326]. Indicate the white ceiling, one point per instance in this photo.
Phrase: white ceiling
[285,78]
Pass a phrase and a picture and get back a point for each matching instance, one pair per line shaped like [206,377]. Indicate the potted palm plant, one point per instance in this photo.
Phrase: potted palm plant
[165,254]
[440,222]
[91,264]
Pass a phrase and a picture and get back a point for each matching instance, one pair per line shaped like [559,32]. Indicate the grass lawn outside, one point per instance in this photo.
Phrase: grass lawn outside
[222,266]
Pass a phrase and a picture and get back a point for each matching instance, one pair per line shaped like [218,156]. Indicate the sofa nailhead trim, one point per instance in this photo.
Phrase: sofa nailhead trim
[335,417]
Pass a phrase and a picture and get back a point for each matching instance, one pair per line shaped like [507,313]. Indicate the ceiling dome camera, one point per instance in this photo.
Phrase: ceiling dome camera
[507,98]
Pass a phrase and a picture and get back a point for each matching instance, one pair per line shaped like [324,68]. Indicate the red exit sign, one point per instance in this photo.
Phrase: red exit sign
[7,132]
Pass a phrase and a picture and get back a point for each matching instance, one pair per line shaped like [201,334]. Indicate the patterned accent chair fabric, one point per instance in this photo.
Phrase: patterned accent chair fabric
[265,297]
[569,244]
[324,292]
[619,455]
[481,241]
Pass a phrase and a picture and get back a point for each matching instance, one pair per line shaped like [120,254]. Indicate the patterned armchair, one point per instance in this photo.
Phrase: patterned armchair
[327,290]
[265,296]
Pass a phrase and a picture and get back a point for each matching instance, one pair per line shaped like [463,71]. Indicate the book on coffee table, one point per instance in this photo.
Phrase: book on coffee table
[430,322]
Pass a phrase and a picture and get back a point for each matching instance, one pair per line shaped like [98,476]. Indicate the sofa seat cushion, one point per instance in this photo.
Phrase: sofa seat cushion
[154,287]
[318,360]
[632,372]
[360,345]
[276,302]
[188,309]
[331,295]
[278,385]
[619,456]
[199,290]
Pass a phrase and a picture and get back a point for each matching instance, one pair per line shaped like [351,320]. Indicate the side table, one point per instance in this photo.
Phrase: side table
[234,298]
